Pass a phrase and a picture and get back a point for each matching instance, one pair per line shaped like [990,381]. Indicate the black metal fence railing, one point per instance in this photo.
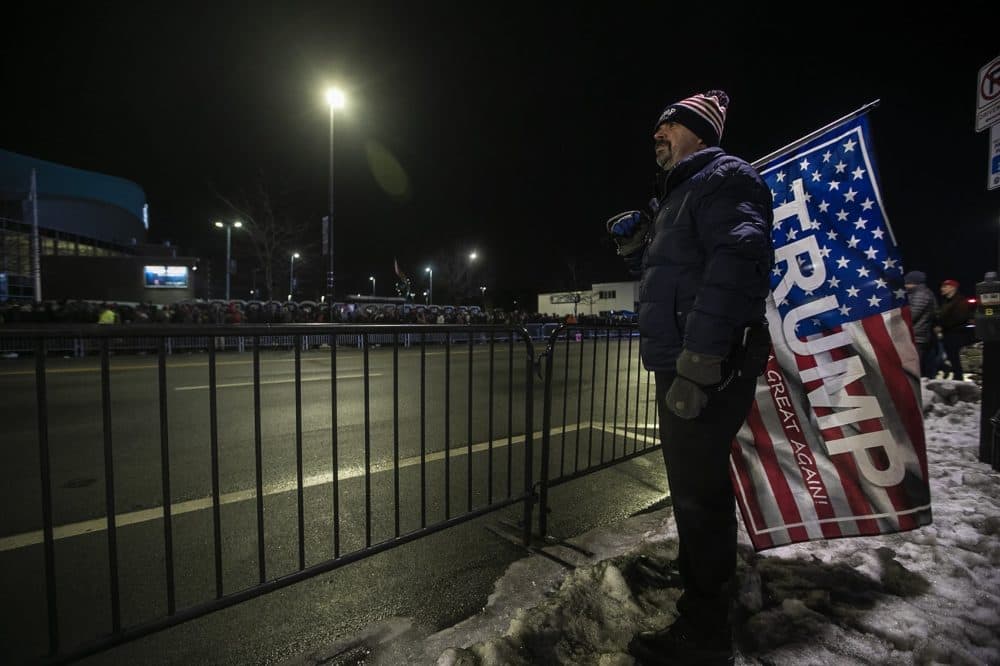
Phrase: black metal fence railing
[60,339]
[270,454]
[589,440]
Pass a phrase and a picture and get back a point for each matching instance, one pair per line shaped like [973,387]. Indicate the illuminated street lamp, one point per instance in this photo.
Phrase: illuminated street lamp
[335,100]
[228,226]
[291,275]
[372,278]
[430,272]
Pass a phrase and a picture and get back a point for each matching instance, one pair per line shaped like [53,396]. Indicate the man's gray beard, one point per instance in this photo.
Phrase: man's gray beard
[663,161]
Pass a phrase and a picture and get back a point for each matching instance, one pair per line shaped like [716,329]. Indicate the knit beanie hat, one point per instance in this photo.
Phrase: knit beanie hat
[915,277]
[704,114]
[950,283]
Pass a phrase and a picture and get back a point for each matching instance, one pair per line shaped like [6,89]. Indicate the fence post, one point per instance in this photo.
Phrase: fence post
[529,448]
[543,491]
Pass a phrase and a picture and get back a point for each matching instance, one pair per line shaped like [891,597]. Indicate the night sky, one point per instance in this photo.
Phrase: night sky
[512,130]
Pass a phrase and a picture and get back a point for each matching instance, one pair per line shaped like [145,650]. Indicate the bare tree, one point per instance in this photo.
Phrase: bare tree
[576,294]
[459,276]
[271,229]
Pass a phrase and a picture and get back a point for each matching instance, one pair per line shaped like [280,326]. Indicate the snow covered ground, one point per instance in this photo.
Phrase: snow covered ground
[927,596]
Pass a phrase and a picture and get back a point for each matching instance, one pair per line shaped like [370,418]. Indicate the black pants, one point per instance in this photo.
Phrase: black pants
[928,354]
[953,341]
[696,453]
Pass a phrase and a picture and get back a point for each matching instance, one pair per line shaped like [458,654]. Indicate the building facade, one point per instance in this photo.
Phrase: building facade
[91,231]
[601,299]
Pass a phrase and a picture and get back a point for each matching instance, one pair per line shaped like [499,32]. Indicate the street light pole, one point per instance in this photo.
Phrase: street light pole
[291,275]
[430,298]
[335,99]
[229,261]
[372,278]
[229,264]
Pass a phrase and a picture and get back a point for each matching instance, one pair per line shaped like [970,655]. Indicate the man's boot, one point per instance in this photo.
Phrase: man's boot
[682,643]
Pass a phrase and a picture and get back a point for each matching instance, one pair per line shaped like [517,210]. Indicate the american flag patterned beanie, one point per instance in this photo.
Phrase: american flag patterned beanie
[704,114]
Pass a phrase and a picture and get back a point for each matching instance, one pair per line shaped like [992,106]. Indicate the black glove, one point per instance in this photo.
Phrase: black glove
[629,230]
[695,372]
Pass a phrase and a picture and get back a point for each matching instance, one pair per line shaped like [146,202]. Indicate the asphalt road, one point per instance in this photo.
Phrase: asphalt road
[413,409]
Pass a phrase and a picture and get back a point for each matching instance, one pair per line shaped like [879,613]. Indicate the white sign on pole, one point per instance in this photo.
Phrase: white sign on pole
[993,180]
[988,95]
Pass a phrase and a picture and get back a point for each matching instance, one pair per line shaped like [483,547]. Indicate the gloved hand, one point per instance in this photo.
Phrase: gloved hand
[695,372]
[625,224]
[628,230]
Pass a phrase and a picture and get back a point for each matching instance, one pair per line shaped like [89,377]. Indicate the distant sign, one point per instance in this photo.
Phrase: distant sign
[993,179]
[988,95]
[166,277]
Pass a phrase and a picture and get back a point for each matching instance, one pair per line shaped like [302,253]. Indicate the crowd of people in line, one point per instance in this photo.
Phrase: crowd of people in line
[277,312]
[940,327]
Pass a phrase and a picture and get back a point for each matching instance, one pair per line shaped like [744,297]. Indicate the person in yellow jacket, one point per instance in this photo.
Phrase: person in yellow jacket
[107,315]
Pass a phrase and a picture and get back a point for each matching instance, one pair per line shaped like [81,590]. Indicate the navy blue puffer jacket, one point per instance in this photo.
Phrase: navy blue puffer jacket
[706,267]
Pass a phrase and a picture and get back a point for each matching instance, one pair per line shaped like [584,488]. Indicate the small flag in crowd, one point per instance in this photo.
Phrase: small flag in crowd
[834,442]
[403,286]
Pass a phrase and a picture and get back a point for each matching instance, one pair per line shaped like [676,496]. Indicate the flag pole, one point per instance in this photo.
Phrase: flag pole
[812,135]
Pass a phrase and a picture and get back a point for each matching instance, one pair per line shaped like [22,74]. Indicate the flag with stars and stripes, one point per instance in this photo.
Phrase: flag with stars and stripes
[833,445]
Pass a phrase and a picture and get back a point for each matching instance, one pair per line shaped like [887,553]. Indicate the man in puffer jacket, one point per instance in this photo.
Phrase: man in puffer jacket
[922,308]
[705,255]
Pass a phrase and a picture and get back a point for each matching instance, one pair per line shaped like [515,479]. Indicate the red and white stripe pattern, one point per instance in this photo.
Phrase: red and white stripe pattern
[708,108]
[789,487]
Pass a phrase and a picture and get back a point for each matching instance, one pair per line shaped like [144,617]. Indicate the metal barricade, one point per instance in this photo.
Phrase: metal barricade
[387,483]
[602,367]
[365,467]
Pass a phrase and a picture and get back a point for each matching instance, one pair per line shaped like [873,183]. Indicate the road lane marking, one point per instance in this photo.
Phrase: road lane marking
[276,381]
[204,364]
[27,539]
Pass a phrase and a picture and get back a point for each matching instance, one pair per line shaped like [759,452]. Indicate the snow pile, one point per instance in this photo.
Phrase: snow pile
[929,595]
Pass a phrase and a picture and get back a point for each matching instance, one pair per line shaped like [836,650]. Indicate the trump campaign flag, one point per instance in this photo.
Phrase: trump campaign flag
[833,445]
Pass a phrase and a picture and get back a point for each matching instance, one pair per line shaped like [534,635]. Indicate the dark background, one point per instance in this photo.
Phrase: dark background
[520,129]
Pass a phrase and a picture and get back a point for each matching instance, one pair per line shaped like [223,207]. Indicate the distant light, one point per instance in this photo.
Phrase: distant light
[295,256]
[371,277]
[237,224]
[427,270]
[473,256]
[194,268]
[335,98]
[219,224]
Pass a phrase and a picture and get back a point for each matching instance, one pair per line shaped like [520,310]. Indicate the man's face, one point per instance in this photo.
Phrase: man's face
[947,290]
[672,142]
